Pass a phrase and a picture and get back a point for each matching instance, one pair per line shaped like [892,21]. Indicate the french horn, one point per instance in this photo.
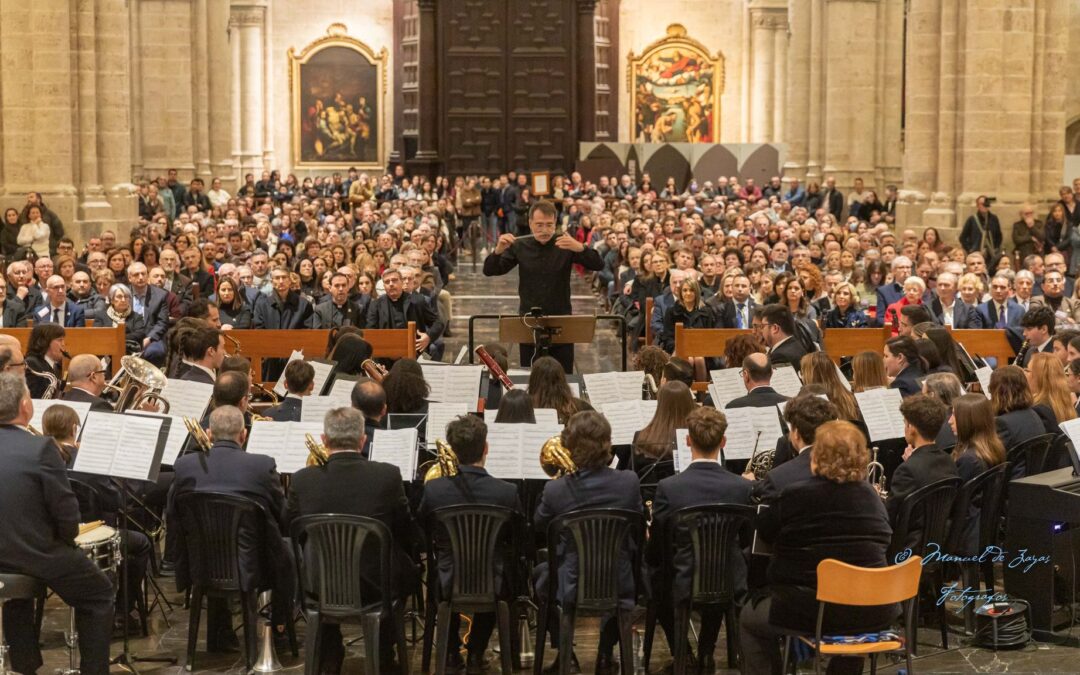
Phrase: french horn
[317,454]
[555,459]
[445,464]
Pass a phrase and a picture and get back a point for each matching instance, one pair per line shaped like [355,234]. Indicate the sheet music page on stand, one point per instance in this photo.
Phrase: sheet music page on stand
[881,412]
[533,437]
[186,398]
[683,456]
[786,381]
[504,458]
[627,418]
[297,355]
[134,457]
[767,421]
[613,387]
[178,434]
[726,386]
[314,408]
[284,441]
[740,434]
[438,416]
[98,443]
[1072,430]
[983,375]
[342,388]
[81,408]
[453,383]
[397,447]
[322,374]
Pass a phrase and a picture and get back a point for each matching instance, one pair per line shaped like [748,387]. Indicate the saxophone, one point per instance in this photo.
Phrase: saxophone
[445,464]
[317,454]
[555,459]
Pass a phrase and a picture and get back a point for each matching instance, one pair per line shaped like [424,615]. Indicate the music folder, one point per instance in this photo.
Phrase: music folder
[759,546]
[127,446]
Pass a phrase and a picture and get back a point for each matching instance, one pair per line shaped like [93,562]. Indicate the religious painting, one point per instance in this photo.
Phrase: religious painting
[338,87]
[675,87]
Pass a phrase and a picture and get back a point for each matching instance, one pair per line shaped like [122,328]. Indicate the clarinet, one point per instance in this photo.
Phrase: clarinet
[494,368]
[1021,353]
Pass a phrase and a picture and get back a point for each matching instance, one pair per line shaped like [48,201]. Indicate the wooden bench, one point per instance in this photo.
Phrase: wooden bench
[703,342]
[841,342]
[98,341]
[987,343]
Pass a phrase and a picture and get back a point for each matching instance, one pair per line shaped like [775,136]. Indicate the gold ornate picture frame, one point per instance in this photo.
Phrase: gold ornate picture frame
[338,89]
[675,87]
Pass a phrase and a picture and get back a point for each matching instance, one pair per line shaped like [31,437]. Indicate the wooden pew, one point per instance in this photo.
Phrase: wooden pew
[841,342]
[702,342]
[264,344]
[98,341]
[987,343]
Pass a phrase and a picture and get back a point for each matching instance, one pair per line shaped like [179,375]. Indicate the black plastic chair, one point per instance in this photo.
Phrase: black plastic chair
[478,536]
[16,587]
[599,536]
[713,533]
[331,549]
[927,512]
[215,525]
[1029,458]
[89,500]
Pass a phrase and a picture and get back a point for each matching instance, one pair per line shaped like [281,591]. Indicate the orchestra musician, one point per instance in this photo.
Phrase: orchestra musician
[757,372]
[45,360]
[549,389]
[350,484]
[924,463]
[369,397]
[227,468]
[37,532]
[803,415]
[778,333]
[299,382]
[203,352]
[87,378]
[467,436]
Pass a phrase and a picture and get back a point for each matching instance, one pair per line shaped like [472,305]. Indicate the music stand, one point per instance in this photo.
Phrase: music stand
[544,331]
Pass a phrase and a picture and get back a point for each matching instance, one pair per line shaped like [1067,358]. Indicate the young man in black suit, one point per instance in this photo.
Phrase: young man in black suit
[756,375]
[203,351]
[467,435]
[350,484]
[299,382]
[39,519]
[803,415]
[778,330]
[87,379]
[704,481]
[923,463]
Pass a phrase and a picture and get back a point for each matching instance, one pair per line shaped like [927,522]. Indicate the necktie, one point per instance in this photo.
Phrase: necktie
[1001,316]
[739,323]
[55,315]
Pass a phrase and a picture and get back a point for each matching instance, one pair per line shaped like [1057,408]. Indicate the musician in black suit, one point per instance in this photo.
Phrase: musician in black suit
[803,415]
[834,513]
[467,435]
[45,360]
[369,397]
[587,435]
[39,519]
[704,481]
[87,379]
[299,382]
[338,309]
[350,484]
[395,309]
[923,463]
[757,373]
[227,468]
[1038,326]
[904,365]
[203,351]
[778,330]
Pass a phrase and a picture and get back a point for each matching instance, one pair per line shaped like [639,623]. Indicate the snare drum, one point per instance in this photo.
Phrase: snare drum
[101,545]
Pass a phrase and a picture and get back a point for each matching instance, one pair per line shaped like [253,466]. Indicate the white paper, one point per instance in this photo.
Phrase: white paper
[178,434]
[514,450]
[397,447]
[1071,428]
[683,456]
[767,421]
[612,387]
[786,381]
[627,418]
[314,408]
[454,383]
[284,441]
[726,386]
[81,408]
[840,375]
[187,398]
[438,416]
[121,446]
[342,388]
[533,437]
[279,388]
[984,379]
[881,411]
[461,355]
[741,435]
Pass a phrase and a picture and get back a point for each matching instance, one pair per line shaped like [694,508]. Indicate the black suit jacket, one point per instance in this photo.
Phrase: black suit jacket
[274,313]
[13,312]
[759,397]
[193,374]
[329,315]
[793,471]
[699,484]
[286,411]
[726,315]
[415,309]
[964,315]
[41,512]
[926,465]
[788,351]
[156,312]
[97,403]
[907,381]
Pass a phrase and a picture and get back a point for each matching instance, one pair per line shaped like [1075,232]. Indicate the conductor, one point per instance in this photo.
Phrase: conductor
[544,279]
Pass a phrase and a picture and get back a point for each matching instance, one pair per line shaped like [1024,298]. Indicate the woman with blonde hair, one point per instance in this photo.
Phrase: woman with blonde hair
[868,372]
[1049,386]
[845,312]
[818,368]
[971,289]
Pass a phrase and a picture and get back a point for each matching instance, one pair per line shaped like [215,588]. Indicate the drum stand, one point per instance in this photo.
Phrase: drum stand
[71,640]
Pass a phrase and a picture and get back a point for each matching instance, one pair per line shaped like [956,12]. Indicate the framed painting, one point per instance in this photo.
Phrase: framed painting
[338,87]
[541,183]
[675,87]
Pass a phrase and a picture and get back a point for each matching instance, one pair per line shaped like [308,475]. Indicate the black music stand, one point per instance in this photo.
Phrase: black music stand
[544,331]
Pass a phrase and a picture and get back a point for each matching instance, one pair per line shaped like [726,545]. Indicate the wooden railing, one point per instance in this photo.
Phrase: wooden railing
[100,341]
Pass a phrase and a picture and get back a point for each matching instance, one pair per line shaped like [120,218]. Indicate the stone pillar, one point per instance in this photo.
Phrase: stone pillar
[221,68]
[92,203]
[796,128]
[816,87]
[114,117]
[780,70]
[586,70]
[767,19]
[136,116]
[246,24]
[427,153]
[200,90]
[850,110]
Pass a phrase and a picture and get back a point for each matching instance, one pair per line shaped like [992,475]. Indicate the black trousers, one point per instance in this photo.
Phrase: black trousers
[760,642]
[483,624]
[564,354]
[81,585]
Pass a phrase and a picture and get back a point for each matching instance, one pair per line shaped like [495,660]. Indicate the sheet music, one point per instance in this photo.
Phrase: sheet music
[542,415]
[279,388]
[726,386]
[454,383]
[786,381]
[323,371]
[626,418]
[767,421]
[461,355]
[740,435]
[343,386]
[284,441]
[840,374]
[1072,430]
[314,408]
[983,374]
[682,456]
[514,450]
[438,416]
[533,437]
[174,442]
[881,412]
[612,387]
[187,398]
[121,446]
[397,447]
[81,408]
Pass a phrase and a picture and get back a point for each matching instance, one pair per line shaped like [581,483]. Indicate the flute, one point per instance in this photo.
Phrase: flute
[493,367]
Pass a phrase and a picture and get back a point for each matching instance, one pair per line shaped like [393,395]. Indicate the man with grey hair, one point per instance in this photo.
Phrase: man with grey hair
[87,378]
[948,309]
[39,520]
[151,303]
[227,468]
[1023,285]
[890,293]
[332,488]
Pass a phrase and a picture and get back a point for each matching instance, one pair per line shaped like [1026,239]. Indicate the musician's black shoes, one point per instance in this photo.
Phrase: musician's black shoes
[476,664]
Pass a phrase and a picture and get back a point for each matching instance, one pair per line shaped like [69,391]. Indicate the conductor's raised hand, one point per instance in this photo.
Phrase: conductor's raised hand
[504,243]
[568,243]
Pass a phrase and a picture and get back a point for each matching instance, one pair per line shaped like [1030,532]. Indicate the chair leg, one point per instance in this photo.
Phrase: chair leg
[402,644]
[313,644]
[442,637]
[371,642]
[731,624]
[502,609]
[915,633]
[650,635]
[250,602]
[682,627]
[626,640]
[541,638]
[943,616]
[566,640]
[429,634]
[873,664]
[193,627]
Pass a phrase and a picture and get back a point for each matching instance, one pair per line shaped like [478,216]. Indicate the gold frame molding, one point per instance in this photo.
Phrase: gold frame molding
[336,36]
[676,37]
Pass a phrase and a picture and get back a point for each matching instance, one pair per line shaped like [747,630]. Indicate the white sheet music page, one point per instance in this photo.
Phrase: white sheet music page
[279,388]
[454,383]
[786,381]
[627,418]
[174,443]
[98,443]
[983,374]
[81,409]
[342,388]
[881,412]
[1072,430]
[397,447]
[284,441]
[314,408]
[682,456]
[740,433]
[767,421]
[504,459]
[603,389]
[186,398]
[138,443]
[533,437]
[726,386]
[439,415]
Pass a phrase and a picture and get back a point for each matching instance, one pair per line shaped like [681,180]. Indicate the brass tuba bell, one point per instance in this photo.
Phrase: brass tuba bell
[139,382]
[555,459]
[317,454]
[445,464]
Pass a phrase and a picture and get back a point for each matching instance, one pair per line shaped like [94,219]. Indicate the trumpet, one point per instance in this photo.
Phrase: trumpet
[197,433]
[375,371]
[317,454]
[555,459]
[875,473]
[493,367]
[445,464]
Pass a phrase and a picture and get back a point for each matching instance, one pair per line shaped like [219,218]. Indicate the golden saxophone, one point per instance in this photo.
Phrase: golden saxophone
[445,464]
[317,454]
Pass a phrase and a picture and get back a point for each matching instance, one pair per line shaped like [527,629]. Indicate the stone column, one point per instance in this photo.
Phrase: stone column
[114,114]
[246,26]
[92,203]
[796,129]
[427,153]
[762,48]
[221,68]
[200,90]
[586,70]
[816,93]
[850,104]
[779,77]
[135,57]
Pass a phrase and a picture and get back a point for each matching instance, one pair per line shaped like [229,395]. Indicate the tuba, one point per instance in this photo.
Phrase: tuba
[875,473]
[445,464]
[555,459]
[317,454]
[138,382]
[197,433]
